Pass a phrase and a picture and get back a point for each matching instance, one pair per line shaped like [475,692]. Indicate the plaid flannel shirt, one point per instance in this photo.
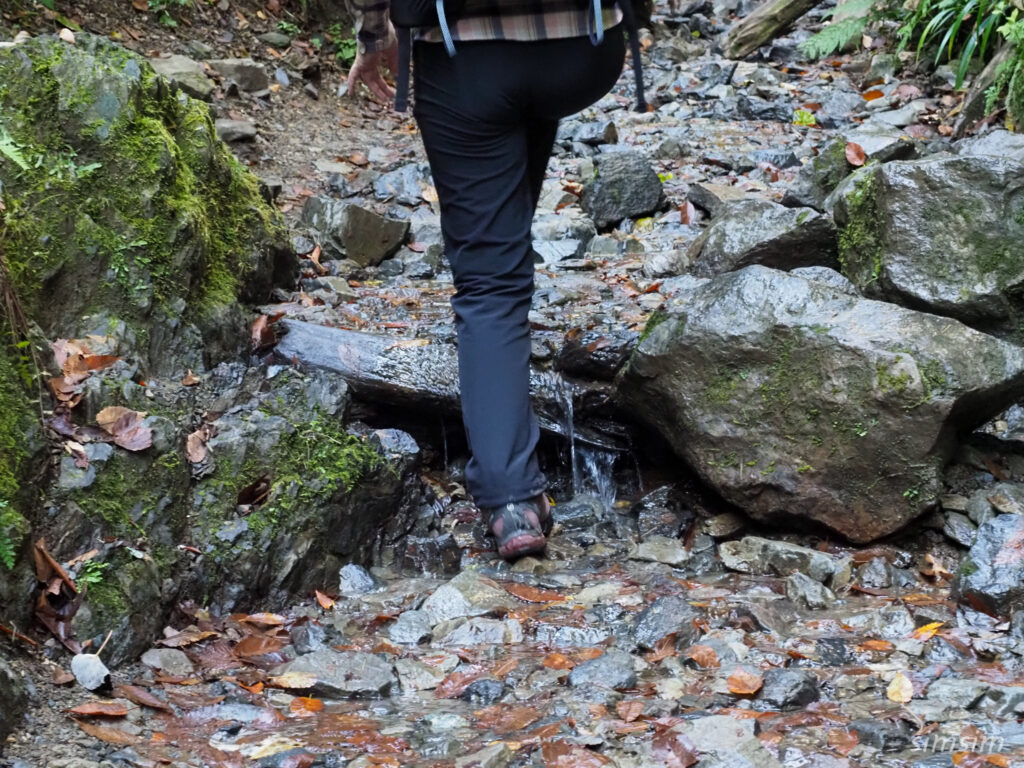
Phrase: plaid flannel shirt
[494,21]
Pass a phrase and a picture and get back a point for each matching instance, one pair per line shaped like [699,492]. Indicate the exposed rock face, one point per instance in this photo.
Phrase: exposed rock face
[991,574]
[349,231]
[12,699]
[793,398]
[910,234]
[761,232]
[624,185]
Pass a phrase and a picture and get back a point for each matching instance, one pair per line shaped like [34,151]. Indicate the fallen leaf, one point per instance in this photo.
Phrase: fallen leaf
[142,697]
[190,379]
[875,645]
[505,668]
[504,719]
[842,741]
[62,677]
[262,334]
[140,5]
[562,754]
[704,655]
[855,155]
[674,750]
[67,36]
[743,683]
[872,95]
[305,706]
[195,446]
[264,619]
[458,681]
[900,689]
[185,637]
[629,710]
[557,661]
[100,709]
[126,427]
[258,645]
[663,649]
[325,602]
[529,594]
[927,631]
[687,213]
[106,733]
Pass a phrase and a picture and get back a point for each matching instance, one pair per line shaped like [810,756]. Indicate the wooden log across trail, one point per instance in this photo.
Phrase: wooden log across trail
[764,24]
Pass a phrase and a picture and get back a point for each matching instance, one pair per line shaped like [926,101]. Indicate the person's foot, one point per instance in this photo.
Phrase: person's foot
[520,527]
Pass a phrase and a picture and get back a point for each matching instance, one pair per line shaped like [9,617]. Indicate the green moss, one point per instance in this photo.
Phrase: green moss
[1015,97]
[860,252]
[656,318]
[722,387]
[890,382]
[967,566]
[15,414]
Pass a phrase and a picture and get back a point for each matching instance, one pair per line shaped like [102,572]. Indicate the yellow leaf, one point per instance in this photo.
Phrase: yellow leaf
[927,631]
[900,689]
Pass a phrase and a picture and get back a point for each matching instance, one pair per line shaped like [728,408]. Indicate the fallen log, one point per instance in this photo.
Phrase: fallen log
[424,374]
[764,24]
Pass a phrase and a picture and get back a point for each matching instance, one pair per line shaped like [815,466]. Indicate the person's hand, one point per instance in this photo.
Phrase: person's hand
[366,69]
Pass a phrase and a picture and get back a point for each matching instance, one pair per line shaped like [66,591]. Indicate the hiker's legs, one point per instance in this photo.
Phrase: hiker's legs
[488,149]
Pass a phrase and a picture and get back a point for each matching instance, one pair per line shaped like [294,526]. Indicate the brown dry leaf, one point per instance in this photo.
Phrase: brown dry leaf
[263,619]
[558,661]
[187,636]
[195,446]
[106,733]
[325,602]
[141,696]
[190,379]
[855,155]
[100,709]
[704,655]
[140,5]
[588,654]
[663,649]
[743,683]
[872,95]
[504,668]
[629,710]
[687,213]
[305,706]
[900,689]
[562,754]
[842,741]
[458,681]
[674,750]
[258,645]
[262,334]
[529,594]
[875,645]
[62,677]
[504,719]
[935,568]
[126,427]
[999,760]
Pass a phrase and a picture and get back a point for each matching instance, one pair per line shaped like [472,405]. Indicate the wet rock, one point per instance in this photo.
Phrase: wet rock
[660,549]
[350,231]
[803,589]
[726,741]
[757,555]
[595,354]
[483,692]
[666,263]
[998,143]
[405,185]
[828,277]
[494,756]
[624,185]
[959,528]
[567,225]
[411,627]
[896,245]
[343,674]
[478,632]
[884,735]
[963,693]
[579,513]
[353,579]
[13,699]
[612,669]
[597,133]
[760,232]
[821,404]
[660,514]
[724,525]
[170,661]
[991,574]
[416,676]
[1003,701]
[874,574]
[468,594]
[249,75]
[665,616]
[551,252]
[235,130]
[185,73]
[439,555]
[570,637]
[713,197]
[308,637]
[275,39]
[789,688]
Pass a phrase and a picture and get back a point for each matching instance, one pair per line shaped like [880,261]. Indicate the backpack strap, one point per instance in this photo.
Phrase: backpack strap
[634,46]
[446,33]
[597,35]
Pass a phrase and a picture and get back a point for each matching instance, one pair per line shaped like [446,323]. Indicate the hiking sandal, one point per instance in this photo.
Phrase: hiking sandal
[520,527]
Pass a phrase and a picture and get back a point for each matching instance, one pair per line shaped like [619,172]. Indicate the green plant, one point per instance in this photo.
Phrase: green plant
[804,117]
[288,28]
[346,52]
[833,37]
[162,9]
[11,524]
[91,573]
[962,29]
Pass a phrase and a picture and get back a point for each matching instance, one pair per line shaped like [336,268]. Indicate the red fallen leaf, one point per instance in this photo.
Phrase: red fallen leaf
[588,654]
[314,256]
[855,154]
[99,709]
[458,681]
[674,750]
[502,670]
[504,719]
[743,683]
[842,741]
[262,334]
[562,754]
[106,733]
[126,427]
[557,661]
[664,648]
[704,655]
[142,697]
[629,710]
[99,362]
[416,247]
[529,594]
[258,645]
[305,706]
[687,213]
[872,95]
[263,619]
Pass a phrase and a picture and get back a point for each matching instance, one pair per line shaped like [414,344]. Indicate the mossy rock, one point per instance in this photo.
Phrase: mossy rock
[1015,97]
[120,199]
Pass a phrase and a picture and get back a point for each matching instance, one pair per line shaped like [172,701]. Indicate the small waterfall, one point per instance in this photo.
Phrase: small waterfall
[591,466]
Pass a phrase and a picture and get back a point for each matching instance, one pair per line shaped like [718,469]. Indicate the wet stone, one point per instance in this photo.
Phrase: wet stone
[353,579]
[430,554]
[959,528]
[803,589]
[833,651]
[468,594]
[991,574]
[758,556]
[874,574]
[789,688]
[665,616]
[613,669]
[478,632]
[580,513]
[411,627]
[444,721]
[343,673]
[726,741]
[417,676]
[661,549]
[483,692]
[168,660]
[570,637]
[248,74]
[308,637]
[235,130]
[185,73]
[958,692]
[624,185]
[884,735]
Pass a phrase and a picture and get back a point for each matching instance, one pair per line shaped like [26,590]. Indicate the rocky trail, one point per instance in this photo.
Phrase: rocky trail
[776,359]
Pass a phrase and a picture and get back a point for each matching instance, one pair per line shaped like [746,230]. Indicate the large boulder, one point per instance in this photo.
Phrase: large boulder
[749,232]
[941,234]
[991,574]
[624,185]
[794,398]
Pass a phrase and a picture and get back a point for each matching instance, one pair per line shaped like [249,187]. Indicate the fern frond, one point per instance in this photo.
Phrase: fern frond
[833,37]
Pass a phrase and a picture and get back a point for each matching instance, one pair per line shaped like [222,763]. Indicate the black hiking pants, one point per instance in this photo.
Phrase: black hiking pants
[488,117]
